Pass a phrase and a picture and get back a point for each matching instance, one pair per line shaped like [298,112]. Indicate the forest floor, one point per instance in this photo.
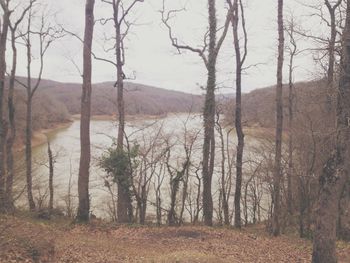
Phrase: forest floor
[29,240]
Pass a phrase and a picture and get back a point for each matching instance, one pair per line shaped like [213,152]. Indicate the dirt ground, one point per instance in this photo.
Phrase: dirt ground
[32,241]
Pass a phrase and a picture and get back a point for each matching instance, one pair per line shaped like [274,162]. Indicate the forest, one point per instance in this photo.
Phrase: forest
[175,131]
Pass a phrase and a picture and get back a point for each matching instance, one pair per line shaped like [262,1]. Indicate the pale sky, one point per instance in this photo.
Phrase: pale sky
[150,54]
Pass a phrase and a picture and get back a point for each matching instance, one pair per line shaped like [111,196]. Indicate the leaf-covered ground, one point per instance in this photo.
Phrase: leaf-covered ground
[32,241]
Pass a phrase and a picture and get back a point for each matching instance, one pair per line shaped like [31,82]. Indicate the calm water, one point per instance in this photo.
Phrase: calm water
[65,144]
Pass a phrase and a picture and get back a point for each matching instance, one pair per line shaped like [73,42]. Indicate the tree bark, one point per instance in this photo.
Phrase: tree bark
[238,108]
[28,139]
[209,119]
[293,51]
[29,147]
[279,125]
[12,125]
[124,210]
[332,42]
[51,174]
[85,147]
[336,171]
[3,41]
[3,124]
[224,192]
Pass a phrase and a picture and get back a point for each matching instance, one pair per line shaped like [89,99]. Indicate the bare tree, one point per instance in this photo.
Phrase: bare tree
[190,138]
[3,125]
[51,174]
[328,45]
[11,108]
[332,7]
[293,51]
[237,10]
[120,13]
[279,124]
[336,171]
[209,54]
[46,34]
[85,147]
[224,194]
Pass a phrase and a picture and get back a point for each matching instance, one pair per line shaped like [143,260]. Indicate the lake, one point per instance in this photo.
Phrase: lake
[176,130]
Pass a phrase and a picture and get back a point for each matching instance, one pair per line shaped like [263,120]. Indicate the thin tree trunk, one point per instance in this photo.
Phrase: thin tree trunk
[184,194]
[331,52]
[3,126]
[174,189]
[238,108]
[28,129]
[290,120]
[12,125]
[51,174]
[336,171]
[29,148]
[279,126]
[209,119]
[85,155]
[124,205]
[225,207]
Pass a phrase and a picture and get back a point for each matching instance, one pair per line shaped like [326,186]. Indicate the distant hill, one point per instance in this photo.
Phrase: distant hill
[55,102]
[258,106]
[139,99]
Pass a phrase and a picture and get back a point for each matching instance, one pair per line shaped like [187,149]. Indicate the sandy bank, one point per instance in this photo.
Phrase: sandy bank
[40,137]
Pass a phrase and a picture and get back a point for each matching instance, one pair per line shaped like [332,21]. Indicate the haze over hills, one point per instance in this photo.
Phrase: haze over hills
[139,99]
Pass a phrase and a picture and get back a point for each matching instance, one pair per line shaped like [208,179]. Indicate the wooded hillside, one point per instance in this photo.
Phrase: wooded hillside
[139,99]
[259,107]
[56,102]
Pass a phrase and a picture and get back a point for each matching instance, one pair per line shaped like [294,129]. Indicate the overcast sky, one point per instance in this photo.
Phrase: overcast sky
[155,62]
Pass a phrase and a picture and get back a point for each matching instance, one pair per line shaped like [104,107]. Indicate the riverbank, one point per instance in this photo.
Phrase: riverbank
[129,118]
[40,136]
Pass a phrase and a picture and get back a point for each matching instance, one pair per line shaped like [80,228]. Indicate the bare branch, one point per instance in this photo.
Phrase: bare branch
[166,16]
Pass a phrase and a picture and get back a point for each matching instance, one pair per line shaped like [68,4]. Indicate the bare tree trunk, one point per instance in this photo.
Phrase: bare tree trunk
[46,36]
[124,198]
[29,149]
[279,125]
[198,198]
[85,155]
[11,112]
[159,199]
[120,12]
[225,207]
[12,125]
[209,105]
[28,139]
[237,10]
[175,182]
[184,193]
[331,51]
[293,52]
[209,119]
[51,174]
[3,40]
[336,170]
[174,186]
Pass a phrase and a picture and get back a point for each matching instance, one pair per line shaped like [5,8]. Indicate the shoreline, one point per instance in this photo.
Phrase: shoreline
[127,117]
[40,137]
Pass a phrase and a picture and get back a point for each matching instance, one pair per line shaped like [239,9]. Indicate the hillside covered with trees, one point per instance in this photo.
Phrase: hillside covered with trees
[139,99]
[56,102]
